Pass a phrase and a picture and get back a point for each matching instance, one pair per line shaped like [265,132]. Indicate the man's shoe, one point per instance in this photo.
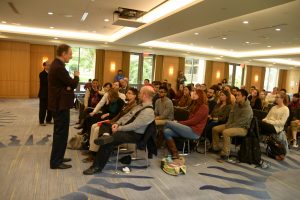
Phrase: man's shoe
[66,160]
[42,124]
[61,166]
[105,139]
[92,170]
[88,159]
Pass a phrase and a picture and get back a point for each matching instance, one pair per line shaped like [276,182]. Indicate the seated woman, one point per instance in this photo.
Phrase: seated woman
[254,99]
[105,127]
[219,114]
[112,107]
[275,120]
[185,100]
[191,128]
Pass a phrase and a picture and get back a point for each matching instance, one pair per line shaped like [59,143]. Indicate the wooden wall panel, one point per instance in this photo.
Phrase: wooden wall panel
[158,68]
[168,63]
[38,54]
[292,81]
[15,69]
[208,73]
[111,57]
[218,72]
[99,65]
[125,63]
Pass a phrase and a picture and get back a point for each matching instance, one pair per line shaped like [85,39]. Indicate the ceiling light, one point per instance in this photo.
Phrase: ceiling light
[84,16]
[106,20]
[278,29]
[245,22]
[68,16]
[247,42]
[50,13]
[55,38]
[224,38]
[3,22]
[269,46]
[196,33]
[51,27]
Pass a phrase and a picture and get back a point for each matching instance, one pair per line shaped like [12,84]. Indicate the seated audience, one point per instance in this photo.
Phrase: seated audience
[294,118]
[146,82]
[237,125]
[179,92]
[270,98]
[164,109]
[131,98]
[128,129]
[234,90]
[191,128]
[88,85]
[254,99]
[170,93]
[157,85]
[275,120]
[262,96]
[119,76]
[123,86]
[228,88]
[211,97]
[185,100]
[107,86]
[219,114]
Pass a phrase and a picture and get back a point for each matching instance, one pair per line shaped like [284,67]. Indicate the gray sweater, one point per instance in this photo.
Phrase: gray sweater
[164,109]
[240,116]
[139,125]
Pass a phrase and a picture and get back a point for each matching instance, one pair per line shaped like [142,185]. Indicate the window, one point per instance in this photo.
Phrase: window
[83,60]
[271,78]
[194,70]
[141,67]
[236,75]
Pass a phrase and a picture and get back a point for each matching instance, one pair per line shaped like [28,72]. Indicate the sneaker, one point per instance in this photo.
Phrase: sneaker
[104,139]
[126,170]
[295,145]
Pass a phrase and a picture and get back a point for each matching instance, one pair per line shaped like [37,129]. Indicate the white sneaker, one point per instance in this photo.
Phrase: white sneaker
[295,145]
[126,170]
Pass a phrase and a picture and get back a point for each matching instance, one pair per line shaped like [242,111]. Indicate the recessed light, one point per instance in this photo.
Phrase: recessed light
[68,16]
[84,16]
[245,22]
[247,42]
[50,13]
[55,38]
[269,46]
[106,20]
[3,22]
[196,33]
[51,27]
[278,29]
[224,38]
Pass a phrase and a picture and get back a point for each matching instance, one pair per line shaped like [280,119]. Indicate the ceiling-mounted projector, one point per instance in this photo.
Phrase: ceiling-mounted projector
[127,17]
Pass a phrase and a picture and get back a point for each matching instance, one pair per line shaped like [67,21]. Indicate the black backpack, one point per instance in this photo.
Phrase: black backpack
[275,149]
[250,149]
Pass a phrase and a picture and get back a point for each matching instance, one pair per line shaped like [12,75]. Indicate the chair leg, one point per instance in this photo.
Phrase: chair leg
[117,158]
[189,149]
[147,157]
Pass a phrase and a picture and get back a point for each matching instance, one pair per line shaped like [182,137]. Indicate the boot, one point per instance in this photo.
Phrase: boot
[172,148]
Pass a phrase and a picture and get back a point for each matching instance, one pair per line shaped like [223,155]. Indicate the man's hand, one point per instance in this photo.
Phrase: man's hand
[92,114]
[76,73]
[69,88]
[104,115]
[114,128]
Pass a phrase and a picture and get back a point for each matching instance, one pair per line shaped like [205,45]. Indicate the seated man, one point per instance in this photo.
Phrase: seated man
[237,125]
[128,129]
[164,110]
[131,97]
[294,118]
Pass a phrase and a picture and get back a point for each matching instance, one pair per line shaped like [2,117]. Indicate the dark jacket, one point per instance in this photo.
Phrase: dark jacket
[43,92]
[59,98]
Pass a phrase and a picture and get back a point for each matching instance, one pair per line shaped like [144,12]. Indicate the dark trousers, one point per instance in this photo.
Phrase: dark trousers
[266,128]
[60,136]
[43,110]
[119,137]
[209,127]
[89,121]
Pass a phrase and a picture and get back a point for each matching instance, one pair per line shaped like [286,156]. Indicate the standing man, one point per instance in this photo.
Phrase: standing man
[43,95]
[61,99]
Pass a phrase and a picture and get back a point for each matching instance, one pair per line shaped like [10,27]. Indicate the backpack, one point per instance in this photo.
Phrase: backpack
[275,149]
[171,168]
[250,149]
[75,142]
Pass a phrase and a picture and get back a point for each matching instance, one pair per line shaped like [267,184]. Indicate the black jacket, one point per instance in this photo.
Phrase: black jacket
[43,92]
[59,98]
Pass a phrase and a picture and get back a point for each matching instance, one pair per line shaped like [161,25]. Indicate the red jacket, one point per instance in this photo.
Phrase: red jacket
[197,121]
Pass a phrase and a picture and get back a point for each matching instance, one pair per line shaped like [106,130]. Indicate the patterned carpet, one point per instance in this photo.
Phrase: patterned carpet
[25,174]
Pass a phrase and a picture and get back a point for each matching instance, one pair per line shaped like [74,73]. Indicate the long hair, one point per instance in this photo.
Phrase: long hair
[113,95]
[284,97]
[199,102]
[228,97]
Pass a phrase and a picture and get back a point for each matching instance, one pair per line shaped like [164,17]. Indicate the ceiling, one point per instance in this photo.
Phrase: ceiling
[212,29]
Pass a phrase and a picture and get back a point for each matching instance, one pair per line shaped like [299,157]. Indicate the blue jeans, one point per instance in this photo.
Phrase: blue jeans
[174,129]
